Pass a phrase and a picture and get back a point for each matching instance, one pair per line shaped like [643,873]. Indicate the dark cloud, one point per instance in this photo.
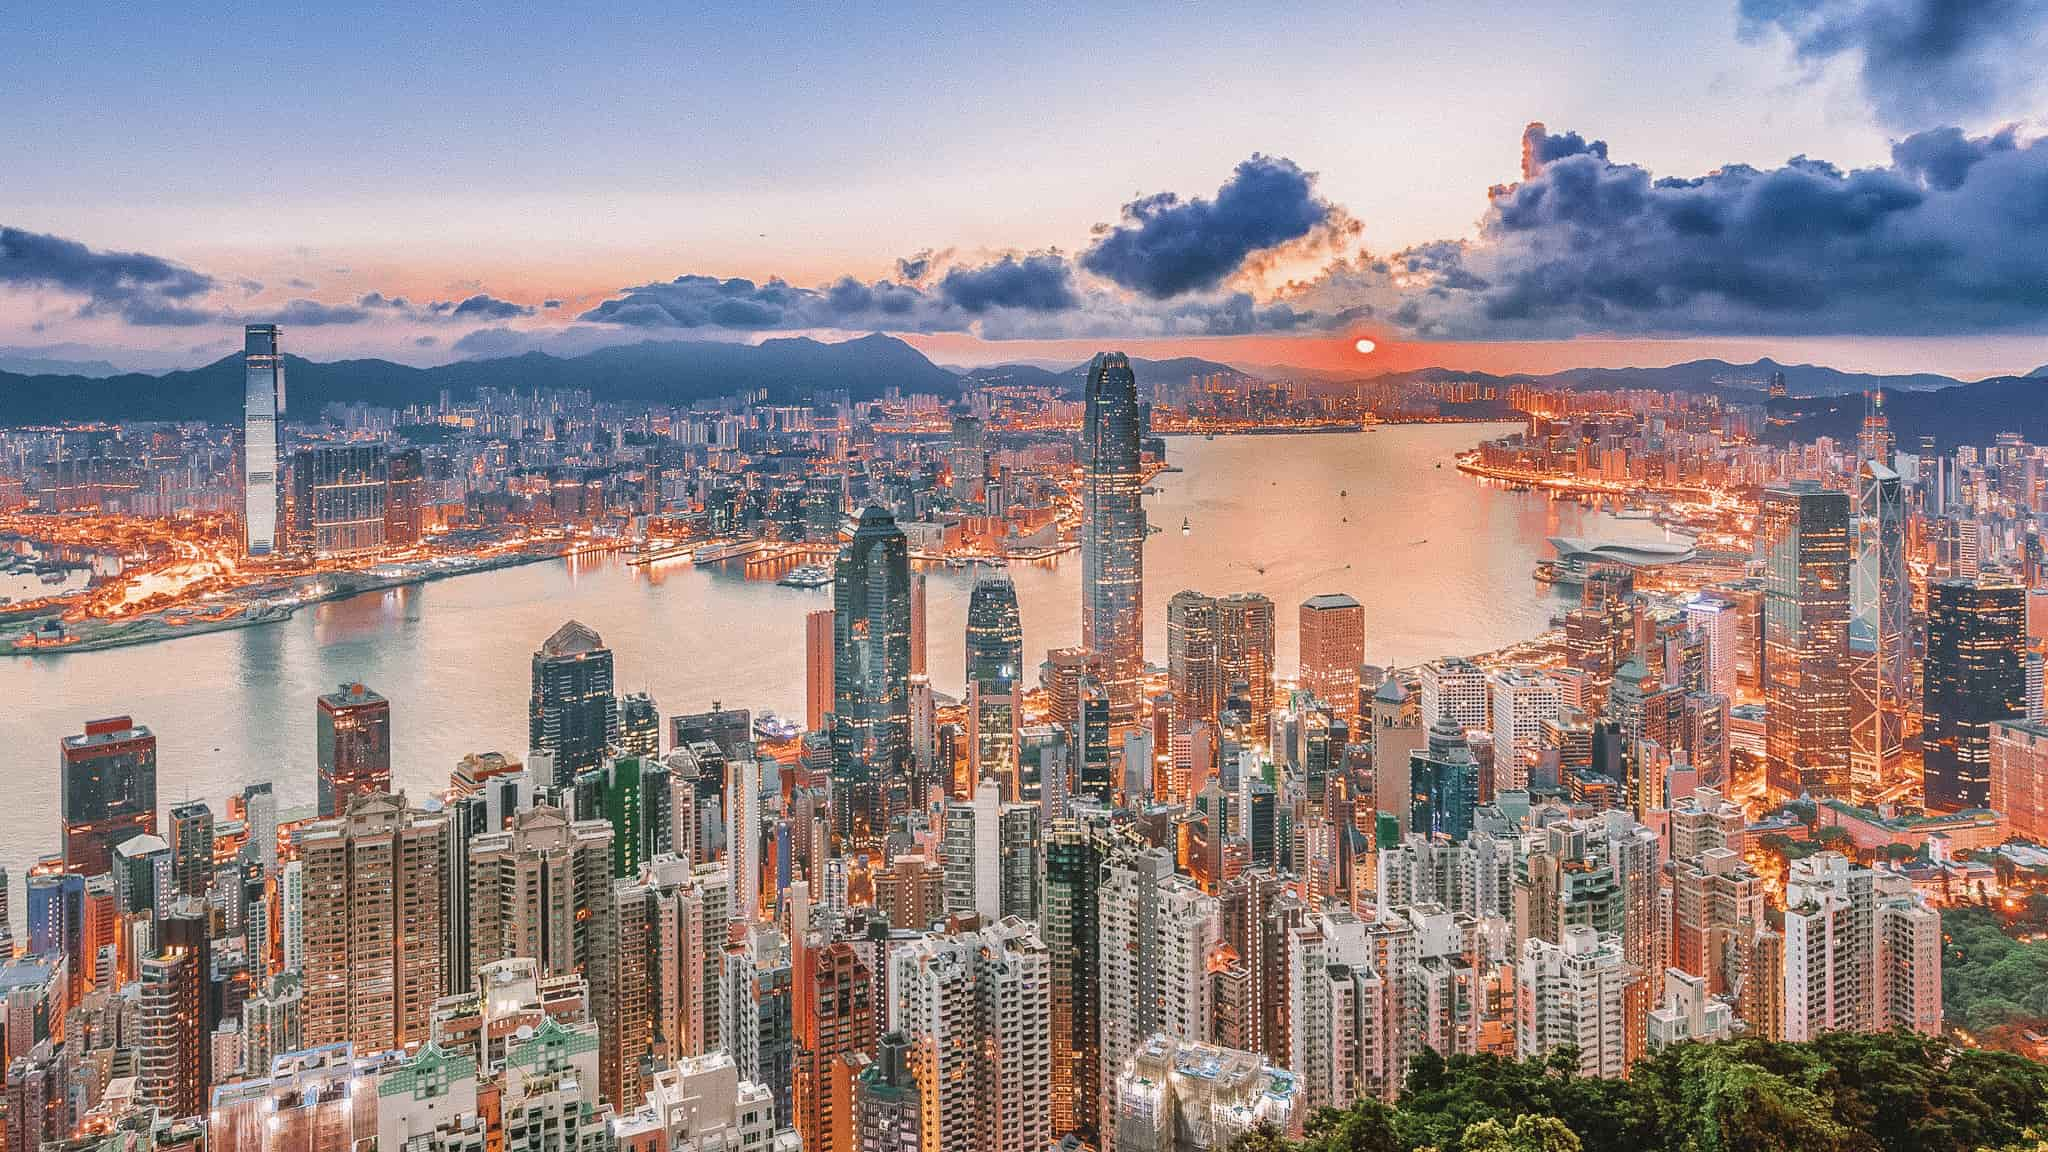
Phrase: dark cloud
[425,341]
[1922,62]
[551,304]
[136,286]
[312,314]
[1042,282]
[485,307]
[1951,238]
[1167,246]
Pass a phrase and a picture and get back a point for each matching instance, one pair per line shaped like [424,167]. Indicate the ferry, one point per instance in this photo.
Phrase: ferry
[806,576]
[769,726]
[1185,527]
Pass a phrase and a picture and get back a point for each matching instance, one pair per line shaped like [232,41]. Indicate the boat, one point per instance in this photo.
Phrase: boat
[57,577]
[1185,527]
[769,726]
[806,576]
[1518,488]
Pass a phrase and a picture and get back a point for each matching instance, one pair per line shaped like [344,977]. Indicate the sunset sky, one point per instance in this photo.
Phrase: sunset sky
[1259,183]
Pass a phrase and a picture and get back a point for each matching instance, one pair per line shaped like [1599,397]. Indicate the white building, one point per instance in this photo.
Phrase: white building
[1453,690]
[1186,1097]
[1718,622]
[1155,934]
[1522,701]
[977,1008]
[1862,951]
[1573,993]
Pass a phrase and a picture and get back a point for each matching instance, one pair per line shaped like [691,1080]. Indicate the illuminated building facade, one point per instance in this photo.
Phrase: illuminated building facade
[353,741]
[1113,531]
[262,441]
[573,713]
[871,674]
[1975,676]
[1805,543]
[337,505]
[1880,629]
[1332,649]
[109,773]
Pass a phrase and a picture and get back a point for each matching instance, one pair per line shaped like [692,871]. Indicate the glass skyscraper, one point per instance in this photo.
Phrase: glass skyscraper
[1805,542]
[353,747]
[1976,674]
[574,712]
[995,633]
[1113,532]
[262,441]
[870,674]
[1880,629]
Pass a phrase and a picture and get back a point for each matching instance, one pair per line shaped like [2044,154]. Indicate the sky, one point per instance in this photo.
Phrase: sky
[1851,181]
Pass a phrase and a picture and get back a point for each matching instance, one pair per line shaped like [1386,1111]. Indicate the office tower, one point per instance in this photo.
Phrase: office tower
[352,744]
[172,1050]
[626,952]
[336,503]
[1454,694]
[1804,537]
[871,599]
[968,462]
[917,625]
[1093,734]
[1862,951]
[534,888]
[1572,993]
[1880,629]
[192,849]
[573,715]
[1113,531]
[639,726]
[835,1021]
[993,713]
[1244,642]
[142,875]
[1522,702]
[1074,855]
[1187,1096]
[1332,649]
[263,462]
[818,702]
[888,1108]
[1397,734]
[1194,658]
[405,479]
[1975,675]
[1600,632]
[976,1009]
[1061,677]
[373,906]
[109,780]
[1155,934]
[2019,776]
[1717,622]
[1443,783]
[995,632]
[743,836]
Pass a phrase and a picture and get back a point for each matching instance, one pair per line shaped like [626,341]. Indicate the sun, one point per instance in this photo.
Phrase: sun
[1365,347]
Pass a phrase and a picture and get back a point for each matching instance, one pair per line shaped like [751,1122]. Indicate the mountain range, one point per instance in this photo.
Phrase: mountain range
[790,369]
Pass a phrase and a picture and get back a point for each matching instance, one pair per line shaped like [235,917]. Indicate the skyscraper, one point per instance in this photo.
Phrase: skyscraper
[573,714]
[1244,643]
[1804,535]
[374,902]
[1880,627]
[1332,649]
[1074,853]
[336,502]
[871,674]
[262,441]
[817,668]
[533,888]
[975,1007]
[1113,531]
[353,746]
[192,848]
[1975,675]
[834,1020]
[109,775]
[995,632]
[1194,668]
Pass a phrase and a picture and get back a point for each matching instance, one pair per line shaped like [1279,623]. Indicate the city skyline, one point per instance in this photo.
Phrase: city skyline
[1246,215]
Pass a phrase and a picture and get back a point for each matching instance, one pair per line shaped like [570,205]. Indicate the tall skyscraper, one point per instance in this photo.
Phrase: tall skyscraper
[573,714]
[1804,536]
[405,478]
[374,900]
[995,632]
[263,442]
[917,624]
[1880,628]
[352,738]
[1113,531]
[1074,855]
[1194,667]
[1244,643]
[976,1009]
[835,1021]
[336,500]
[871,674]
[817,668]
[1975,675]
[1332,649]
[192,848]
[109,781]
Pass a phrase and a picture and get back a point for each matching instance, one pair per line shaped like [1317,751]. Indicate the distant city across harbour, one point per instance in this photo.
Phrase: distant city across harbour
[1442,564]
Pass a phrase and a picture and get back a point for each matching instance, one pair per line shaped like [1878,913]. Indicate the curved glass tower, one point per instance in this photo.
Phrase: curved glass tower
[995,633]
[1113,532]
[870,674]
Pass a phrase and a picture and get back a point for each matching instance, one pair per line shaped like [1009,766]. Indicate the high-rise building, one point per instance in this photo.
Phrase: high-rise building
[1522,702]
[995,632]
[818,702]
[1156,933]
[374,900]
[263,520]
[871,675]
[109,781]
[976,1009]
[969,460]
[534,887]
[573,714]
[1454,693]
[1975,676]
[1880,629]
[172,1050]
[835,1021]
[1244,642]
[991,855]
[1572,993]
[639,726]
[1804,536]
[1716,621]
[1194,666]
[1187,1096]
[405,478]
[192,848]
[1862,951]
[2019,776]
[917,625]
[1113,531]
[889,1108]
[336,502]
[1074,855]
[1332,649]
[352,744]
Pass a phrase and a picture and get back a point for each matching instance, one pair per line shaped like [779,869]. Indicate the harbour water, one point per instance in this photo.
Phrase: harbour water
[1441,562]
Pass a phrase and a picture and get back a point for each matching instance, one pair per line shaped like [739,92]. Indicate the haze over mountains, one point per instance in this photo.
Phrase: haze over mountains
[682,372]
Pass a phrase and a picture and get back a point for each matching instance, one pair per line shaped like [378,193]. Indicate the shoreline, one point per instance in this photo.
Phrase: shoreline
[153,628]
